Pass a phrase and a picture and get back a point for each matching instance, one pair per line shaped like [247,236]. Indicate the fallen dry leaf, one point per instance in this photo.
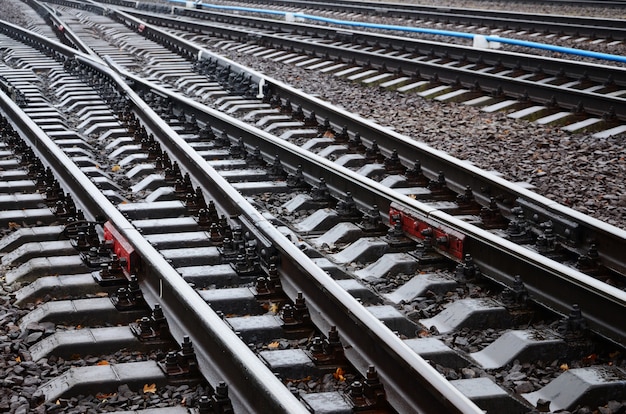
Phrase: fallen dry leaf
[149,388]
[564,367]
[102,396]
[116,168]
[338,374]
[298,380]
[103,362]
[273,345]
[590,359]
[273,307]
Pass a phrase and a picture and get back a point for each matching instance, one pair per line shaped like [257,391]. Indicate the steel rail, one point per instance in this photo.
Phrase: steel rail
[382,7]
[546,277]
[553,297]
[401,369]
[562,24]
[557,301]
[502,59]
[506,41]
[546,280]
[550,283]
[593,103]
[370,342]
[580,230]
[63,31]
[298,272]
[308,290]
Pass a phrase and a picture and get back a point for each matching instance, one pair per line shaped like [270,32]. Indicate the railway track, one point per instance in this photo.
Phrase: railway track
[274,278]
[458,18]
[386,142]
[546,91]
[201,259]
[571,95]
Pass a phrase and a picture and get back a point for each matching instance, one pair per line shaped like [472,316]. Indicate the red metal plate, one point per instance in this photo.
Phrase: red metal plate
[121,247]
[446,240]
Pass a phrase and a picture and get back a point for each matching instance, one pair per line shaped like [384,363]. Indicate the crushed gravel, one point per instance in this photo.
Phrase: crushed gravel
[576,170]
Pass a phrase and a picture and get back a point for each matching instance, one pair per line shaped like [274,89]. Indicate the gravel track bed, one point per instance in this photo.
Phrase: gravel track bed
[574,169]
[21,377]
[604,47]
[577,170]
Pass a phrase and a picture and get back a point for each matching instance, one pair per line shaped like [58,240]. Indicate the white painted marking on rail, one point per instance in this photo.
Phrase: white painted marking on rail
[261,85]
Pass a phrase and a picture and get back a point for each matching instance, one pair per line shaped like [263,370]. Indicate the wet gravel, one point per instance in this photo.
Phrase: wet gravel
[568,42]
[577,170]
[21,377]
[574,169]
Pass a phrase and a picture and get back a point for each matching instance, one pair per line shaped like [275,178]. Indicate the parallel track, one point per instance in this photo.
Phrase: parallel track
[504,20]
[212,341]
